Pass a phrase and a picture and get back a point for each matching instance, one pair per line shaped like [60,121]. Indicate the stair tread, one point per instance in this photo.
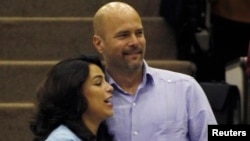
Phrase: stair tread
[16,105]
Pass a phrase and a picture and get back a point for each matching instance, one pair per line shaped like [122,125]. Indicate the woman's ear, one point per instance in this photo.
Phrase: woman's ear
[98,43]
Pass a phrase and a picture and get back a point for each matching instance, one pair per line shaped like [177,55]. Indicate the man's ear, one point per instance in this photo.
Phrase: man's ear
[98,43]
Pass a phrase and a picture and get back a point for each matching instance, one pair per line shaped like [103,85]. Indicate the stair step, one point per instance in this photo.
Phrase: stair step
[46,38]
[20,79]
[68,8]
[16,105]
[15,118]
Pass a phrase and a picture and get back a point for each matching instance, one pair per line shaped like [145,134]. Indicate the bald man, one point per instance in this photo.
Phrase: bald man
[150,104]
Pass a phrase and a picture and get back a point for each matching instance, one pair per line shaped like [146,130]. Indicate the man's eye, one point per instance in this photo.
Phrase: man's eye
[122,35]
[139,33]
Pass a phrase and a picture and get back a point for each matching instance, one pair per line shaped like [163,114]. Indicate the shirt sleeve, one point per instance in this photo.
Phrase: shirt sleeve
[201,114]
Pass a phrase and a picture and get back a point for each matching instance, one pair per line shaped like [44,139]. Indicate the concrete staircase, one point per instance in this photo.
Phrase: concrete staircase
[34,35]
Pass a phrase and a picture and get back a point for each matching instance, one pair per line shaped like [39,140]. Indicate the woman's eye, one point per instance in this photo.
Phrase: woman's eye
[98,83]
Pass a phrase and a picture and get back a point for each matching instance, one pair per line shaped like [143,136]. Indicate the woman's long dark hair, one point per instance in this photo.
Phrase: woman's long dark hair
[60,100]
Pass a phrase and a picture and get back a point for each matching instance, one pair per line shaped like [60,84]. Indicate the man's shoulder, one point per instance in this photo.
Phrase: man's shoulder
[169,75]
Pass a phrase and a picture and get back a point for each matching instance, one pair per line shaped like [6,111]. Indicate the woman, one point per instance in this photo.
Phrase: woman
[73,102]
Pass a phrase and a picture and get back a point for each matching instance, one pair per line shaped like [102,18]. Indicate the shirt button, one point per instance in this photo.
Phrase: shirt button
[169,80]
[135,133]
[134,104]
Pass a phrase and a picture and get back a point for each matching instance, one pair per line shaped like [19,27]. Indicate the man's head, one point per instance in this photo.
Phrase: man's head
[119,36]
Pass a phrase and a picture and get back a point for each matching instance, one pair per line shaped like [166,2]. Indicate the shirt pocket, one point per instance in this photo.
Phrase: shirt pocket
[174,130]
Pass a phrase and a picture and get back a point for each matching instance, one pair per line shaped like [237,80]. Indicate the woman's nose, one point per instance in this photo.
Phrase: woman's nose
[110,88]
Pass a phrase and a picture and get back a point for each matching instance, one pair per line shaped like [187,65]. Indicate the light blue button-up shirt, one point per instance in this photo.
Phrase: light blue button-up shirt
[168,106]
[62,133]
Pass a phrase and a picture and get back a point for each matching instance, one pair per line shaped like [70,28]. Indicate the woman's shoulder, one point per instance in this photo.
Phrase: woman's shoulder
[62,133]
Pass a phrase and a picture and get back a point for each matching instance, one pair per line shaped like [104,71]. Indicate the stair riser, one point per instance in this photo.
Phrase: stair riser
[68,8]
[19,81]
[57,38]
[15,123]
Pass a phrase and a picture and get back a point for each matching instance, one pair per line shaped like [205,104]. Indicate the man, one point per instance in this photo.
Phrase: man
[230,34]
[149,104]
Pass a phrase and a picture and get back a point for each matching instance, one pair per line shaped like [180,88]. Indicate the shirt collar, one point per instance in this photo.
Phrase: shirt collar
[147,76]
